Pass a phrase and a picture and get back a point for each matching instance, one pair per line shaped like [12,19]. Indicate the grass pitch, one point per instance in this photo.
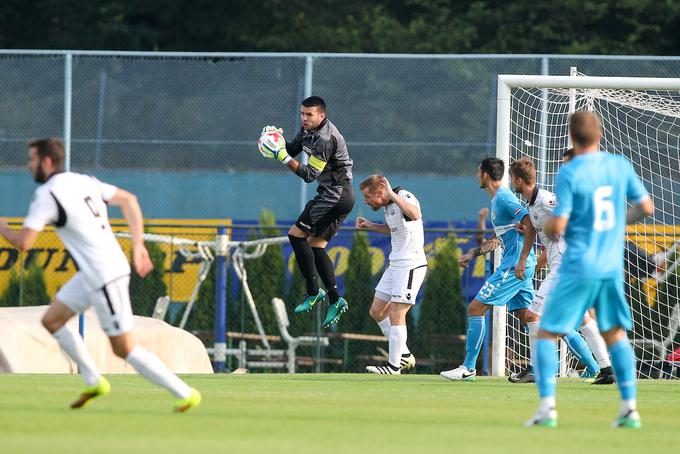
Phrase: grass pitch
[329,413]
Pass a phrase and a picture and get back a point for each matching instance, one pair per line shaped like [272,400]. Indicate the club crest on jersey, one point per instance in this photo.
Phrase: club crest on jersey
[306,149]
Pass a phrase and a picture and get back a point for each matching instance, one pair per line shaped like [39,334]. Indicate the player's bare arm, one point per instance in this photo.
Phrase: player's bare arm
[541,261]
[132,212]
[23,239]
[555,226]
[529,240]
[365,224]
[484,248]
[410,210]
[639,211]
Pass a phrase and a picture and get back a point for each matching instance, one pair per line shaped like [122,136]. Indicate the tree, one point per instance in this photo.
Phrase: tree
[442,311]
[32,292]
[359,288]
[145,291]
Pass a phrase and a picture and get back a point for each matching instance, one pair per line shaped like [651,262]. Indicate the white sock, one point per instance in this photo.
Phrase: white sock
[384,326]
[75,348]
[147,364]
[591,334]
[532,328]
[628,405]
[547,404]
[398,335]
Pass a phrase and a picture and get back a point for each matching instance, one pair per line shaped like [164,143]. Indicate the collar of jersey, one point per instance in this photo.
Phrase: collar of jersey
[534,195]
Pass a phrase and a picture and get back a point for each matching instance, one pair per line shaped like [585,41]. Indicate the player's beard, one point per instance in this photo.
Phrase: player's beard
[39,176]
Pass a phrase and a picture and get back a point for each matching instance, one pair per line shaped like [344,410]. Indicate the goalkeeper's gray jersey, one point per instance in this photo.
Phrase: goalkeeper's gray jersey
[329,162]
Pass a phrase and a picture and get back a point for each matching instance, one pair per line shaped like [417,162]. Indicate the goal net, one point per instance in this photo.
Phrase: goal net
[641,120]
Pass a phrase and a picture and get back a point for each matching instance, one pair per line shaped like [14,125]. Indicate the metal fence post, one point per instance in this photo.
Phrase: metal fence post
[222,251]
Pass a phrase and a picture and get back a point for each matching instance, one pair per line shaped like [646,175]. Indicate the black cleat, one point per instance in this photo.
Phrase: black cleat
[523,376]
[605,377]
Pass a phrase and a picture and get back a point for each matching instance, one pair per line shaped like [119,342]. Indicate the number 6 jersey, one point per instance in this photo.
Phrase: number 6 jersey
[76,205]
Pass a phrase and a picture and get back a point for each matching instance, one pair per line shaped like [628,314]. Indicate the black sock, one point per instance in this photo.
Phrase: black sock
[305,260]
[324,267]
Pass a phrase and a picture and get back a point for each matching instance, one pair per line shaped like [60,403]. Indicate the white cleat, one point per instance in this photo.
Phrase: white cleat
[384,370]
[460,373]
[408,361]
[543,419]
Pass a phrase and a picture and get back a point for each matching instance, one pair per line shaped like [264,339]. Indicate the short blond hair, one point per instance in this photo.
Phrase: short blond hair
[585,129]
[372,183]
[524,168]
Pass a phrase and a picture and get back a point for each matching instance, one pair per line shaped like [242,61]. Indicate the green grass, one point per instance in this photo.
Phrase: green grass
[330,413]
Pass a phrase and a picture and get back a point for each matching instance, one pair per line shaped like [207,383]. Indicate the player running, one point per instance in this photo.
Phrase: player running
[329,164]
[541,204]
[397,290]
[77,206]
[591,208]
[511,284]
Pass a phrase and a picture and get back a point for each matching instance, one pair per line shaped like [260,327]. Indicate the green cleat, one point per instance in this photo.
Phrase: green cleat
[335,311]
[309,302]
[543,419]
[630,420]
[100,389]
[194,400]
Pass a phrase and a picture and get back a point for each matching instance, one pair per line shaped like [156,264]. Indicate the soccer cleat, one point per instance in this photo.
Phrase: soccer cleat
[587,374]
[100,389]
[630,420]
[408,361]
[605,377]
[460,373]
[384,370]
[335,311]
[543,419]
[194,400]
[523,376]
[310,301]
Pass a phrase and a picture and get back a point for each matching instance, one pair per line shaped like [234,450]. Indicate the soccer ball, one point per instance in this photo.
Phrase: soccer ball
[271,143]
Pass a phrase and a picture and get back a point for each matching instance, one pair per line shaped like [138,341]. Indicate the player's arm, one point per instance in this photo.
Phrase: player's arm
[641,203]
[487,246]
[542,261]
[481,225]
[365,224]
[23,239]
[132,212]
[322,149]
[410,210]
[529,240]
[639,211]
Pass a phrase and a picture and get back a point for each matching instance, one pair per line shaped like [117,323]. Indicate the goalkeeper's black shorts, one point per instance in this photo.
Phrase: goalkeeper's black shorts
[324,214]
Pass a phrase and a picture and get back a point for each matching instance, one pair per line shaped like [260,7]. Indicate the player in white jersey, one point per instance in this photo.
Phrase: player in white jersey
[77,206]
[540,207]
[397,290]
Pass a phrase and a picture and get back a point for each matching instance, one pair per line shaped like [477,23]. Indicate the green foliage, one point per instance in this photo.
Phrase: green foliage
[202,317]
[442,311]
[359,289]
[33,293]
[145,291]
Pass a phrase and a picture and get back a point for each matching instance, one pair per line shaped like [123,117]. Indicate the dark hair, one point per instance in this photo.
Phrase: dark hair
[568,153]
[584,128]
[494,167]
[50,147]
[315,101]
[524,169]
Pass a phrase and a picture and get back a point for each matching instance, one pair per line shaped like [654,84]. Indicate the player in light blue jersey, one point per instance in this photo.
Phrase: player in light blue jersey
[591,208]
[511,284]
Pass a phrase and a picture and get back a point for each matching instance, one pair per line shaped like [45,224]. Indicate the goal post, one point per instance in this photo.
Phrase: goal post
[641,120]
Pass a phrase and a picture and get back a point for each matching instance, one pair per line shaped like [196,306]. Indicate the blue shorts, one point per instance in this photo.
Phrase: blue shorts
[503,288]
[572,297]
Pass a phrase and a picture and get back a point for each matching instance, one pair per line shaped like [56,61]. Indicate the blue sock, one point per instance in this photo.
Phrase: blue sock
[623,362]
[473,341]
[579,347]
[545,367]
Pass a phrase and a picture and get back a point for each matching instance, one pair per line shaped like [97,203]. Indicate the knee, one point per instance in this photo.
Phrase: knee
[121,351]
[376,314]
[50,323]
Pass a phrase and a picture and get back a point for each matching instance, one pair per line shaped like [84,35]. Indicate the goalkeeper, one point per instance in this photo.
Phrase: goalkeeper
[329,164]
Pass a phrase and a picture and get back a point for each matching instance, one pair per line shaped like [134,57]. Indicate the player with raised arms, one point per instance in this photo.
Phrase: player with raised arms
[330,165]
[591,212]
[398,288]
[592,351]
[511,284]
[76,205]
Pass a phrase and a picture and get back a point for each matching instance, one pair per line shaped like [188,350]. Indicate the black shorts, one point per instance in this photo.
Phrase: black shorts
[324,214]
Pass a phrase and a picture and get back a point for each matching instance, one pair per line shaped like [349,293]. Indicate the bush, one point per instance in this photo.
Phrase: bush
[33,292]
[145,291]
[359,288]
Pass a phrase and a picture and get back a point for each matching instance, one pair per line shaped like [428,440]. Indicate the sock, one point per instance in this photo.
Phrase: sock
[398,335]
[147,364]
[73,345]
[473,341]
[385,326]
[580,349]
[324,266]
[532,330]
[591,334]
[544,369]
[305,260]
[623,362]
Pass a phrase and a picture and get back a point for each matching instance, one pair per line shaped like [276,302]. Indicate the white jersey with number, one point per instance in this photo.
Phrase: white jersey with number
[541,206]
[407,235]
[76,205]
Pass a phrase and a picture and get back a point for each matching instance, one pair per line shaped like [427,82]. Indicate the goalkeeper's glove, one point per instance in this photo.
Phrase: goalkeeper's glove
[267,129]
[272,144]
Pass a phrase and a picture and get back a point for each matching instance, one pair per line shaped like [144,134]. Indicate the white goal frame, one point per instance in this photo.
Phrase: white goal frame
[503,128]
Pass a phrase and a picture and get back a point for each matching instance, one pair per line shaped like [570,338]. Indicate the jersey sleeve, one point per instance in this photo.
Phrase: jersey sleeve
[294,147]
[107,190]
[514,207]
[409,197]
[635,190]
[322,150]
[565,197]
[42,211]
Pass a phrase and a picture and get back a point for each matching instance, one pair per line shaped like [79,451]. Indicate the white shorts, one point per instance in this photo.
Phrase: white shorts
[111,302]
[542,293]
[401,285]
